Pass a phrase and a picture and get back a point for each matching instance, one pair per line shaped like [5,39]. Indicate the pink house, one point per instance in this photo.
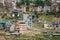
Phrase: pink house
[3,1]
[22,28]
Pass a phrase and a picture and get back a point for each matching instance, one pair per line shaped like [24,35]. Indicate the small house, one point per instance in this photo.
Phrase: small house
[16,13]
[58,1]
[25,17]
[46,25]
[39,8]
[23,7]
[21,28]
[30,8]
[8,26]
[56,23]
[46,8]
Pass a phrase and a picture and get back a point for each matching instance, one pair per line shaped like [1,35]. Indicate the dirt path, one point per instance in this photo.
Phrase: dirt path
[2,38]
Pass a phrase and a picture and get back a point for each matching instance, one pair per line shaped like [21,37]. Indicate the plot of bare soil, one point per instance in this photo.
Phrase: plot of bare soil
[2,38]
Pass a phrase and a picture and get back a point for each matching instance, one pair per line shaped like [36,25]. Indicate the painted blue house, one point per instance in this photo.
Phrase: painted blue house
[4,24]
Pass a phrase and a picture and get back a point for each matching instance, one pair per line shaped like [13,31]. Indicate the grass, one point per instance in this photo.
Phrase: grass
[26,37]
[48,18]
[44,17]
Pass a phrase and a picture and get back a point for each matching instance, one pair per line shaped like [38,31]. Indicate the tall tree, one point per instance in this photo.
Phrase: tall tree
[18,4]
[39,2]
[58,12]
[22,2]
[48,2]
[6,5]
[27,4]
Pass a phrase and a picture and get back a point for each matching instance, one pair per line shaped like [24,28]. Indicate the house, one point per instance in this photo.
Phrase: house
[3,1]
[14,5]
[58,1]
[16,12]
[34,8]
[12,28]
[39,8]
[46,8]
[25,17]
[23,7]
[22,27]
[8,1]
[53,0]
[30,8]
[29,23]
[56,24]
[55,7]
[9,27]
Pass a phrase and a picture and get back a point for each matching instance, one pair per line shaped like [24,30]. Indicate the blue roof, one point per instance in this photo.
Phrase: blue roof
[5,23]
[2,22]
[8,23]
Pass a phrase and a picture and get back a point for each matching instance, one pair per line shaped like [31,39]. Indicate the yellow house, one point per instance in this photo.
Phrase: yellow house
[30,9]
[23,8]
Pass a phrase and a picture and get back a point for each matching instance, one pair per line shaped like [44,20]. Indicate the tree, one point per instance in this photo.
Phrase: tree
[27,4]
[1,5]
[58,13]
[22,2]
[18,4]
[39,3]
[48,2]
[6,5]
